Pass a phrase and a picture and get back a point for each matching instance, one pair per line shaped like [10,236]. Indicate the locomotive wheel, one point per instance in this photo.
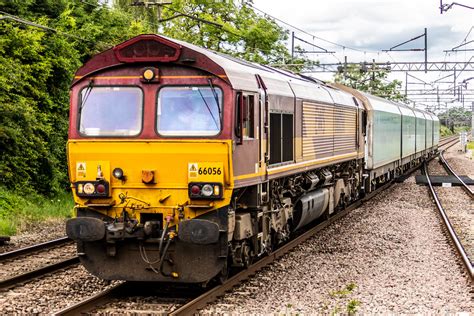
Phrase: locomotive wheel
[225,272]
[246,255]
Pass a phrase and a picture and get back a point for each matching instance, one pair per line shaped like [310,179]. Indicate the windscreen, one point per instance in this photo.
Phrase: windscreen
[189,111]
[110,111]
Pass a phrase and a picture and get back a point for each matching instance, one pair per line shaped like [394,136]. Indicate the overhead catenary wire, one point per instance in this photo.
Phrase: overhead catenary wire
[325,40]
[7,16]
[305,32]
[17,19]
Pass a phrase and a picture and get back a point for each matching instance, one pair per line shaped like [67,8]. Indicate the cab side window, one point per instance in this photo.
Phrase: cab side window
[245,116]
[248,116]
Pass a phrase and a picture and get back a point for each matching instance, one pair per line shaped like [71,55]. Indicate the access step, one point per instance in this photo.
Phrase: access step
[439,180]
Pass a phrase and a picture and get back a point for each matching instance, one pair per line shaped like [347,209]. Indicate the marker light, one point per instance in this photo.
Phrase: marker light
[92,189]
[148,74]
[195,190]
[207,190]
[89,188]
[100,188]
[118,173]
[217,190]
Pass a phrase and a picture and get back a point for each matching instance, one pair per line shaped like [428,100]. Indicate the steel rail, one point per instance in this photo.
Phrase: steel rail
[452,234]
[450,170]
[37,273]
[448,140]
[448,143]
[34,248]
[211,295]
[94,301]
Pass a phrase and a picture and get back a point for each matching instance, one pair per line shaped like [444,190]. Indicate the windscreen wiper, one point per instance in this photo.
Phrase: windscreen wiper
[86,95]
[215,95]
[209,109]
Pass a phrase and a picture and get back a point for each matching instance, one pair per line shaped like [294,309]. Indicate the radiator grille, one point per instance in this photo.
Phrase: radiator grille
[328,130]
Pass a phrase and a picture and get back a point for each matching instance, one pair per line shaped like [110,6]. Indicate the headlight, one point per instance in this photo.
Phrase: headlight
[148,74]
[199,190]
[118,173]
[92,189]
[89,188]
[207,190]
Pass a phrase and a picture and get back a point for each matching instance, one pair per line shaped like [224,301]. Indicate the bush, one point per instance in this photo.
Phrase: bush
[36,69]
[17,211]
[444,131]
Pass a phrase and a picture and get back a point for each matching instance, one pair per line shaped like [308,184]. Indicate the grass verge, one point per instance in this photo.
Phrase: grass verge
[16,211]
[470,145]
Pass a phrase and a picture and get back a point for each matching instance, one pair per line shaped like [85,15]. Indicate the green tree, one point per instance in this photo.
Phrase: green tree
[229,27]
[456,117]
[373,81]
[36,69]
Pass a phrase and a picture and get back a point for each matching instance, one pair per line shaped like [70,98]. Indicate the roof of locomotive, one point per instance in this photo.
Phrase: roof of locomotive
[240,74]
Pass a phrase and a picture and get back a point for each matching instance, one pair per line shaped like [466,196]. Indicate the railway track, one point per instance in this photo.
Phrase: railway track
[448,168]
[121,290]
[447,142]
[445,219]
[126,288]
[39,272]
[34,248]
[169,296]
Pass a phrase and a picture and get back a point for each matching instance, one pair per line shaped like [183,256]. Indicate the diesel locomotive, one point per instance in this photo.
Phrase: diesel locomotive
[186,162]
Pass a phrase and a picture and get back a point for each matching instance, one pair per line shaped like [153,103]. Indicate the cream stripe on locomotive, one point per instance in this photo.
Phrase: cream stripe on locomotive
[328,130]
[299,166]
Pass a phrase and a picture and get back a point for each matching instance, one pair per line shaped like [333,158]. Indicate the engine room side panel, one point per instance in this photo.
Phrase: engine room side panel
[318,130]
[345,130]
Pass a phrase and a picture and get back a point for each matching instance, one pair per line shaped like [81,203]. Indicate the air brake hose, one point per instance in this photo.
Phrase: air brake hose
[163,257]
[165,230]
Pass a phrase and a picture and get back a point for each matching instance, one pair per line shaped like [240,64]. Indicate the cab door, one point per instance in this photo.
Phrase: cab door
[263,128]
[246,157]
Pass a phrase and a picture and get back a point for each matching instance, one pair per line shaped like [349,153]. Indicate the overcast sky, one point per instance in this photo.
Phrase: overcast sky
[374,25]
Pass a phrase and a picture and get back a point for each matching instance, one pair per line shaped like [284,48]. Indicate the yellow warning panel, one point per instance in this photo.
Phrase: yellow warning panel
[205,172]
[81,170]
[192,170]
[91,170]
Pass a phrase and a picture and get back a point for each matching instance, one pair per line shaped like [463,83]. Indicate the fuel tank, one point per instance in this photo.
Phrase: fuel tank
[309,207]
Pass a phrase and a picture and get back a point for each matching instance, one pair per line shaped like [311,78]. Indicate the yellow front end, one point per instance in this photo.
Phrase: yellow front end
[156,176]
